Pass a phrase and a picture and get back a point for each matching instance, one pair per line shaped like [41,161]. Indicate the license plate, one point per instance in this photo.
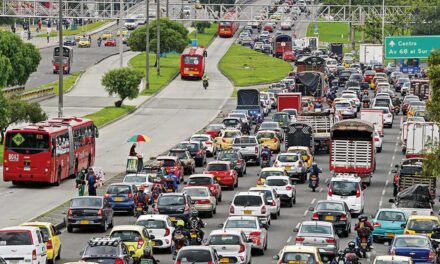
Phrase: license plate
[193,235]
[13,261]
[173,219]
[390,235]
[364,244]
[139,209]
[247,212]
[119,199]
[328,218]
[288,168]
[224,260]
[84,222]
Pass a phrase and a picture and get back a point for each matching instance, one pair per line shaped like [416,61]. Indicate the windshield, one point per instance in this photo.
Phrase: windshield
[287,158]
[224,240]
[171,200]
[391,216]
[126,235]
[342,105]
[135,179]
[413,242]
[29,143]
[196,192]
[194,256]
[344,188]
[199,181]
[276,182]
[118,189]
[107,250]
[152,224]
[168,162]
[15,238]
[268,135]
[315,229]
[330,207]
[86,202]
[241,224]
[191,60]
[298,258]
[426,225]
[217,167]
[248,200]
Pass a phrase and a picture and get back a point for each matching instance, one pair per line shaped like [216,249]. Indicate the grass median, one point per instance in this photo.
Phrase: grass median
[69,81]
[110,113]
[70,32]
[206,37]
[332,32]
[246,67]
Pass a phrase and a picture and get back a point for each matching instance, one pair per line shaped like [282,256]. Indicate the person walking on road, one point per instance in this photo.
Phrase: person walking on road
[91,182]
[48,37]
[29,34]
[81,181]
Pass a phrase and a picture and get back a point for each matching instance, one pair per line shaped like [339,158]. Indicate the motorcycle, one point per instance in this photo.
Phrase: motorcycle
[362,241]
[366,104]
[313,183]
[179,242]
[205,84]
[345,257]
[245,131]
[396,109]
[141,209]
[195,239]
[169,185]
[265,161]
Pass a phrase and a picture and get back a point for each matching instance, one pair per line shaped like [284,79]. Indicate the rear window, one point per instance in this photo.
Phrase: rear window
[342,105]
[298,258]
[241,224]
[230,122]
[199,181]
[248,200]
[202,139]
[268,135]
[288,158]
[152,224]
[86,202]
[118,189]
[231,134]
[412,242]
[276,182]
[126,235]
[15,238]
[135,179]
[245,140]
[265,174]
[179,154]
[171,200]
[196,192]
[224,240]
[344,188]
[194,256]
[422,225]
[330,207]
[45,233]
[217,167]
[391,216]
[315,229]
[391,262]
[168,163]
[102,251]
[227,156]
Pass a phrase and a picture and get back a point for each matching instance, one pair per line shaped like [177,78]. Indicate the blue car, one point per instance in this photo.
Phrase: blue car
[388,223]
[120,196]
[418,247]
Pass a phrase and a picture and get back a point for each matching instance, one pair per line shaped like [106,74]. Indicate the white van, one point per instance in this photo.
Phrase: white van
[347,188]
[22,244]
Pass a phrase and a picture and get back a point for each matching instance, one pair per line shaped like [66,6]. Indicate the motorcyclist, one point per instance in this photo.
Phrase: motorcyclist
[366,99]
[205,80]
[314,170]
[99,41]
[147,257]
[180,228]
[196,223]
[363,223]
[141,198]
[173,176]
[352,249]
[436,232]
[246,128]
[265,152]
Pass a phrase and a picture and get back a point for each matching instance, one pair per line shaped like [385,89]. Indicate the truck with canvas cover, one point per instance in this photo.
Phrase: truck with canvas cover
[415,200]
[337,49]
[352,148]
[289,101]
[300,134]
[321,123]
[249,99]
[420,138]
[410,173]
[282,44]
[310,83]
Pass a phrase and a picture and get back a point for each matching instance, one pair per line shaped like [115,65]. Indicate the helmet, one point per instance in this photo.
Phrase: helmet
[180,223]
[351,245]
[266,146]
[436,229]
[363,218]
[194,213]
[147,251]
[141,188]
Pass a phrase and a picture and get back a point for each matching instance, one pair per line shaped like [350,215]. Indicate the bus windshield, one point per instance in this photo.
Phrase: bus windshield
[30,143]
[57,60]
[191,60]
[225,24]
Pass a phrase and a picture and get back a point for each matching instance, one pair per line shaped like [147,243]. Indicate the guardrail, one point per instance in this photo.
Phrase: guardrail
[10,91]
[37,93]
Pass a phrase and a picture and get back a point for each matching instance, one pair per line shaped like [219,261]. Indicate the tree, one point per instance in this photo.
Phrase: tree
[35,113]
[5,70]
[4,113]
[427,18]
[201,25]
[173,37]
[123,82]
[23,58]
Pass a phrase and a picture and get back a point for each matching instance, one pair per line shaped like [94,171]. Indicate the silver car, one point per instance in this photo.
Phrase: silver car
[273,199]
[319,234]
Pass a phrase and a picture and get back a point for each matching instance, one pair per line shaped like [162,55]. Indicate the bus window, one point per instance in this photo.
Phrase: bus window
[29,143]
[192,60]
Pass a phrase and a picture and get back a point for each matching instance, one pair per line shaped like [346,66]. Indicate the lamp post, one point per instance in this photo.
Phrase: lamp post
[60,60]
[147,45]
[383,25]
[158,38]
[121,47]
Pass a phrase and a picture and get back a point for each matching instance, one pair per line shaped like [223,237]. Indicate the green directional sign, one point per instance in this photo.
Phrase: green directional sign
[410,46]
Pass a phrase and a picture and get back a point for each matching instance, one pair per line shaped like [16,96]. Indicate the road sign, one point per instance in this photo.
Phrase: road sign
[410,46]
[283,44]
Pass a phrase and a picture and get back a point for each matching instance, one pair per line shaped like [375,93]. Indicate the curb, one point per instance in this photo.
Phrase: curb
[75,83]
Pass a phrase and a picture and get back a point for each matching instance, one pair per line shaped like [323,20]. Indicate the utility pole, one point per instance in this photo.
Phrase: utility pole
[158,38]
[167,7]
[383,27]
[60,59]
[147,45]
[350,25]
[121,45]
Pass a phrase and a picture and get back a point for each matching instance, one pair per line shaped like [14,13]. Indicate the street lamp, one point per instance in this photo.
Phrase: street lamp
[158,37]
[383,25]
[147,45]
[60,59]
[121,47]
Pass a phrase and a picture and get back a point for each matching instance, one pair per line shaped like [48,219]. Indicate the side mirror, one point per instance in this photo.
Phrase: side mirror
[220,226]
[393,171]
[311,209]
[295,230]
[391,200]
[152,237]
[276,257]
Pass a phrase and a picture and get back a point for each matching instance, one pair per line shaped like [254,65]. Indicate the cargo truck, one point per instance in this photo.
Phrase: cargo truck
[421,136]
[321,123]
[289,101]
[375,117]
[249,99]
[409,173]
[370,53]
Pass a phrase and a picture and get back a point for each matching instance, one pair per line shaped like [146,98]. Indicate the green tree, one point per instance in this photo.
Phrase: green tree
[173,37]
[123,82]
[201,25]
[427,18]
[5,70]
[23,57]
[4,113]
[35,113]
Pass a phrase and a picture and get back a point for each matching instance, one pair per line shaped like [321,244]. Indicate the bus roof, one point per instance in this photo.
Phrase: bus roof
[191,51]
[54,125]
[230,15]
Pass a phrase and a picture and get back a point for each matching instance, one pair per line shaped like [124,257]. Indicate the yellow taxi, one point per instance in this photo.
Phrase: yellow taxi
[224,139]
[135,237]
[305,154]
[421,225]
[269,138]
[107,35]
[80,36]
[298,254]
[124,32]
[51,238]
[412,109]
[269,171]
[84,43]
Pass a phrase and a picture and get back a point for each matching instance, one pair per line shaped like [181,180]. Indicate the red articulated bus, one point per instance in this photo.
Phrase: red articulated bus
[228,26]
[49,151]
[192,62]
[282,44]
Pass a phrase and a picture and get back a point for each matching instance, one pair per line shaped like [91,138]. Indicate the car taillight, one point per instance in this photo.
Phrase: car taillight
[242,248]
[376,139]
[330,240]
[204,201]
[140,243]
[100,212]
[238,162]
[130,195]
[256,150]
[34,254]
[275,140]
[274,203]
[392,252]
[376,224]
[315,216]
[263,210]
[119,261]
[343,217]
[231,209]
[299,239]
[167,232]
[49,244]
[396,179]
[186,208]
[358,192]
[289,188]
[431,255]
[208,142]
[69,213]
[330,191]
[255,236]
[407,232]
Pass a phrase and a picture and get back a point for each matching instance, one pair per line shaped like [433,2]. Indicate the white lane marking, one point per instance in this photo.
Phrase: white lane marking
[380,204]
[326,180]
[320,189]
[297,225]
[305,213]
[313,201]
[386,183]
[394,155]
[288,240]
[391,165]
[383,192]
[389,173]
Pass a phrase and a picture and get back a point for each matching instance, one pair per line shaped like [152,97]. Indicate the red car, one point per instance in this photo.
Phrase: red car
[172,164]
[224,173]
[207,180]
[214,129]
[110,43]
[368,76]
[268,28]
[379,68]
[289,56]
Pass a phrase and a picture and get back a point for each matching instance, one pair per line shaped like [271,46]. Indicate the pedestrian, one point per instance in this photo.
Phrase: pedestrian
[91,182]
[29,34]
[48,37]
[39,24]
[13,28]
[81,181]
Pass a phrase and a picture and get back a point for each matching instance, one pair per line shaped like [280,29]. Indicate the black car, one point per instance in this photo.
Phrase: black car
[196,150]
[89,211]
[236,159]
[175,205]
[343,77]
[336,212]
[185,157]
[107,251]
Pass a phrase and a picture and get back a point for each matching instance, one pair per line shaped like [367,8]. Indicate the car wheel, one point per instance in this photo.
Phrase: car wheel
[379,149]
[290,203]
[69,229]
[274,216]
[111,224]
[210,214]
[103,227]
[294,200]
[59,254]
[265,246]
[391,126]
[50,261]
[245,170]
[220,198]
[279,212]
[215,209]
[236,184]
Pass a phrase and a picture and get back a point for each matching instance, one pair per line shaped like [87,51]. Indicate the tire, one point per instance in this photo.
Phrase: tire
[210,214]
[58,182]
[69,229]
[245,171]
[59,254]
[103,227]
[111,224]
[294,200]
[274,216]
[220,198]
[215,209]
[379,150]
[279,212]
[236,184]
[290,204]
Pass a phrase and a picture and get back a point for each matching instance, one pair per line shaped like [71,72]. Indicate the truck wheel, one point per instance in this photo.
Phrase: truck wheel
[69,229]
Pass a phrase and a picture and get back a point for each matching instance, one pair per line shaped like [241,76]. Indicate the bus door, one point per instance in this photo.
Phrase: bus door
[71,152]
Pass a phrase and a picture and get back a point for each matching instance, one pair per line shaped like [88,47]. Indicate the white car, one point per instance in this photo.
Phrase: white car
[347,188]
[353,97]
[206,141]
[265,106]
[233,246]
[273,199]
[204,201]
[161,227]
[294,165]
[284,188]
[377,141]
[22,244]
[388,117]
[405,88]
[345,109]
[251,226]
[139,180]
[286,25]
[252,204]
